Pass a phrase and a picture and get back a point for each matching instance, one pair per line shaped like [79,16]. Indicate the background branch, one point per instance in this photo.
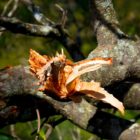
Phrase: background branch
[47,29]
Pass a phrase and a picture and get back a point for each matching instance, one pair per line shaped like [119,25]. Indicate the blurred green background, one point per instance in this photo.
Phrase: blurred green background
[14,50]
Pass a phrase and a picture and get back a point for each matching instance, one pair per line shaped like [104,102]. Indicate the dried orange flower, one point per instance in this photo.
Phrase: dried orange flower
[61,76]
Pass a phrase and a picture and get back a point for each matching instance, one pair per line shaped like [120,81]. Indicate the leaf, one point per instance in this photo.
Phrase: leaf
[61,76]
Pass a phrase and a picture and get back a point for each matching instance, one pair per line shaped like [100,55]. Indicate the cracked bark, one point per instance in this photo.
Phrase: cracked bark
[20,97]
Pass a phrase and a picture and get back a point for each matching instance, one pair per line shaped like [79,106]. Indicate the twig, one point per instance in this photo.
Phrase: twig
[16,26]
[6,7]
[12,11]
[38,120]
[54,32]
[42,124]
[36,11]
[49,130]
[47,28]
[72,47]
[64,15]
[38,124]
[53,124]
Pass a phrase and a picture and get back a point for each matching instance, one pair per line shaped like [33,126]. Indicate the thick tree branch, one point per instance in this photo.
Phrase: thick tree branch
[20,97]
[125,52]
[132,98]
[105,23]
[132,133]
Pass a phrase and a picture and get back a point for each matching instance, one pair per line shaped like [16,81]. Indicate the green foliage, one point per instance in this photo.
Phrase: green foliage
[6,137]
[128,14]
[63,131]
[68,131]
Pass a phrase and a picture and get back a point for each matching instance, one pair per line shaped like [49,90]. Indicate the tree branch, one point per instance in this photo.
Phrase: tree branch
[125,52]
[16,26]
[105,23]
[47,29]
[20,97]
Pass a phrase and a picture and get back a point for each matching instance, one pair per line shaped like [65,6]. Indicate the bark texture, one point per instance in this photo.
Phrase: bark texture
[19,95]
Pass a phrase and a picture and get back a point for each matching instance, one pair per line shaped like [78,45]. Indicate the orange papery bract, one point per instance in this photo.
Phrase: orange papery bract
[61,76]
